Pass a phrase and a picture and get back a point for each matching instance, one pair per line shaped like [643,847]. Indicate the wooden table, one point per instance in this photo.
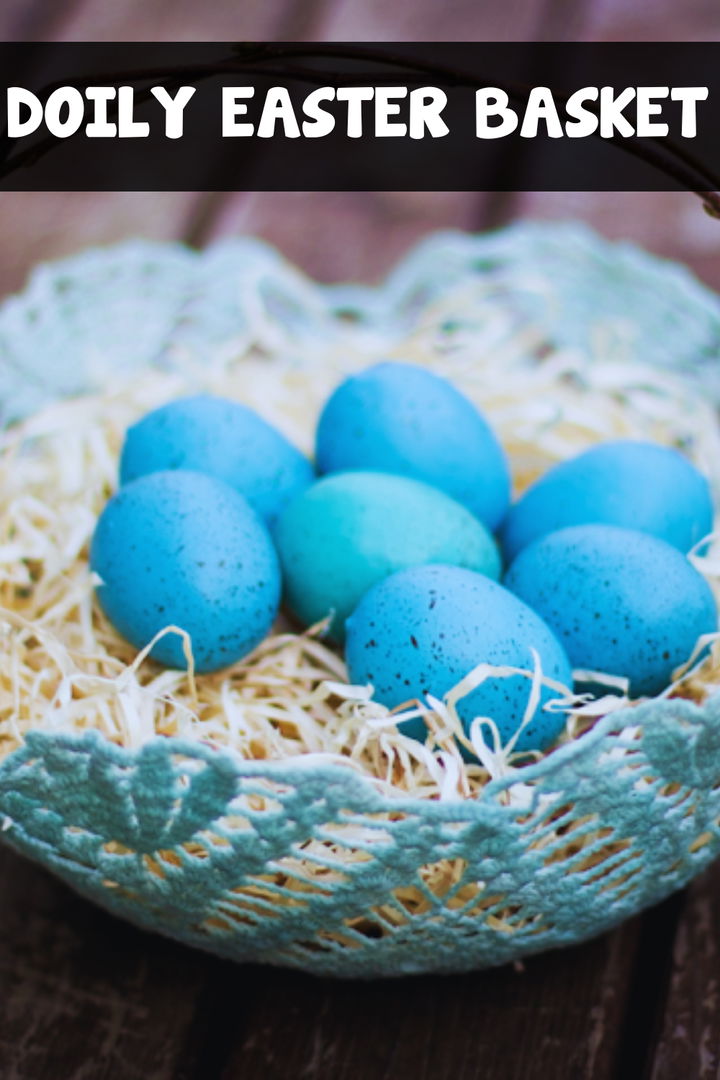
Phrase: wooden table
[86,997]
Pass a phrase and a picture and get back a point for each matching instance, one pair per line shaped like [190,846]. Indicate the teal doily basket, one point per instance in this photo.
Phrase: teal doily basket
[200,845]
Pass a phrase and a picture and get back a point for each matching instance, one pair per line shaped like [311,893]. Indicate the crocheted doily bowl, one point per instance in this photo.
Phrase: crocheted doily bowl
[336,860]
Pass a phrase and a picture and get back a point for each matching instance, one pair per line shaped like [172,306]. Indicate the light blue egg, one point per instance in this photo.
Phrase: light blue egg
[182,548]
[422,630]
[351,529]
[621,601]
[399,418]
[224,439]
[638,485]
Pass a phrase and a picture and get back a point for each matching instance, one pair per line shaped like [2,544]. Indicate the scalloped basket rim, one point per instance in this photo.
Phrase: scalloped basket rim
[228,761]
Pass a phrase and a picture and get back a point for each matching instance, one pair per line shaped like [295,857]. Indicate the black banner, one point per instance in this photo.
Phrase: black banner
[326,117]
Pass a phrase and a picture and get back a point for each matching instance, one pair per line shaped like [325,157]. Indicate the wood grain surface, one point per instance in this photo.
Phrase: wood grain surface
[688,1042]
[566,1010]
[86,997]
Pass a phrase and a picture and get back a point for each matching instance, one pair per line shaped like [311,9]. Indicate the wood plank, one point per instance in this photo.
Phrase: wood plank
[344,235]
[560,1017]
[180,20]
[664,20]
[454,20]
[689,1039]
[31,21]
[85,995]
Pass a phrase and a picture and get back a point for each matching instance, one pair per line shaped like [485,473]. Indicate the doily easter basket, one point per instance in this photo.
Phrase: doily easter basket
[199,829]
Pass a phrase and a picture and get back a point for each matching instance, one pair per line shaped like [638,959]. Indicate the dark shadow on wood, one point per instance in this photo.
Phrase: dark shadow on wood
[649,990]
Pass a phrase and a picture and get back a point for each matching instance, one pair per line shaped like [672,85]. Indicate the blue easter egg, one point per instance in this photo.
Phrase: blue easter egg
[422,630]
[638,485]
[184,549]
[223,439]
[622,602]
[351,529]
[399,418]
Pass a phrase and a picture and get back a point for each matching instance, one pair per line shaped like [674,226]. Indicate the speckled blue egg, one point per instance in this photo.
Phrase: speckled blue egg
[182,548]
[351,529]
[399,418]
[223,439]
[422,630]
[621,601]
[638,485]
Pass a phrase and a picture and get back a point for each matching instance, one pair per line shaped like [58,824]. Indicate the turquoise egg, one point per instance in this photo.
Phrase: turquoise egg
[422,630]
[621,601]
[351,529]
[399,418]
[638,485]
[182,548]
[223,439]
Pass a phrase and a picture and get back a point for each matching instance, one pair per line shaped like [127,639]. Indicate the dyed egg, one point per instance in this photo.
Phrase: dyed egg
[223,439]
[638,485]
[424,629]
[622,602]
[398,418]
[184,549]
[352,529]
